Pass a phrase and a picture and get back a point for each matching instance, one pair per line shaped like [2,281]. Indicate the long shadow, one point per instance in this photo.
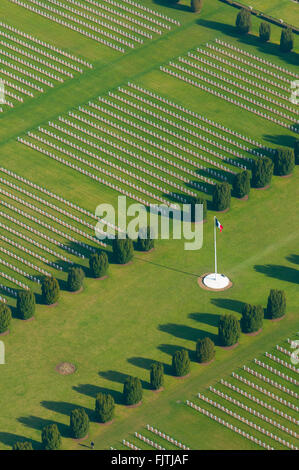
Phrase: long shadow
[10,439]
[64,408]
[229,304]
[93,390]
[145,363]
[173,5]
[207,318]
[281,140]
[114,376]
[167,267]
[38,423]
[293,258]
[284,273]
[170,349]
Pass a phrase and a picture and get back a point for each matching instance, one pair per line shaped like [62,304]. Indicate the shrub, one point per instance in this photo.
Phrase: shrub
[241,186]
[132,392]
[123,250]
[198,200]
[221,196]
[25,304]
[51,438]
[284,161]
[5,317]
[157,375]
[196,5]
[265,31]
[50,290]
[276,306]
[243,21]
[181,363]
[75,279]
[104,407]
[25,445]
[205,350]
[145,241]
[286,40]
[99,264]
[252,318]
[296,151]
[228,330]
[262,171]
[79,423]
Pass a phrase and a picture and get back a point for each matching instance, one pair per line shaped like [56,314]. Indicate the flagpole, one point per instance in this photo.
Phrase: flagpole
[215,247]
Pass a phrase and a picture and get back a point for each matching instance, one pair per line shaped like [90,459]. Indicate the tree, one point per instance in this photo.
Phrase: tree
[296,151]
[123,250]
[265,31]
[221,196]
[75,279]
[79,423]
[252,318]
[243,21]
[157,375]
[22,445]
[198,200]
[104,407]
[181,363]
[262,171]
[26,304]
[51,438]
[196,5]
[284,161]
[276,306]
[99,264]
[241,186]
[50,290]
[228,330]
[205,350]
[5,317]
[286,40]
[145,241]
[132,392]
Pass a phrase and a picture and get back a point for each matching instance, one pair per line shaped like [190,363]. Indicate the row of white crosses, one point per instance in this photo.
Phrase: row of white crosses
[58,198]
[270,381]
[243,79]
[276,372]
[234,92]
[41,235]
[283,350]
[147,141]
[14,96]
[236,84]
[112,19]
[265,392]
[45,45]
[258,59]
[130,152]
[21,80]
[163,129]
[229,426]
[109,163]
[138,156]
[171,123]
[30,252]
[130,445]
[97,178]
[19,271]
[3,299]
[253,412]
[152,12]
[118,157]
[9,290]
[16,87]
[148,441]
[247,422]
[166,437]
[99,22]
[25,72]
[244,70]
[282,362]
[194,115]
[259,402]
[69,25]
[227,98]
[14,281]
[24,261]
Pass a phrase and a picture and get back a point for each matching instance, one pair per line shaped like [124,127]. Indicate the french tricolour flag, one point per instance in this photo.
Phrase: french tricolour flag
[218,225]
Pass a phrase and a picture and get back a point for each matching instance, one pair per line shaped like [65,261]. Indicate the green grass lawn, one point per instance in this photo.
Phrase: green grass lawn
[145,311]
[287,10]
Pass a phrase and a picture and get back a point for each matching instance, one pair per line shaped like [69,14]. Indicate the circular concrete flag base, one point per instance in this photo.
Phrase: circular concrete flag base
[216,281]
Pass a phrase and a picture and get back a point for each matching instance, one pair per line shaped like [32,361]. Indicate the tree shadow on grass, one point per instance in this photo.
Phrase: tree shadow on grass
[184,332]
[207,318]
[170,349]
[119,377]
[93,390]
[229,304]
[281,140]
[284,273]
[293,258]
[174,6]
[65,408]
[145,363]
[39,423]
[10,439]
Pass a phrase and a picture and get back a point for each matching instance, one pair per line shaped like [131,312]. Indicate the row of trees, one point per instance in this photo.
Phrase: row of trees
[243,24]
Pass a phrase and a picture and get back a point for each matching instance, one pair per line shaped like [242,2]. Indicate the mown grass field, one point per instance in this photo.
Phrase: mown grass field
[286,10]
[147,310]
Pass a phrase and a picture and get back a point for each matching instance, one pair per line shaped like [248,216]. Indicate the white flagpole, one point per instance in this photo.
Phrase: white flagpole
[215,247]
